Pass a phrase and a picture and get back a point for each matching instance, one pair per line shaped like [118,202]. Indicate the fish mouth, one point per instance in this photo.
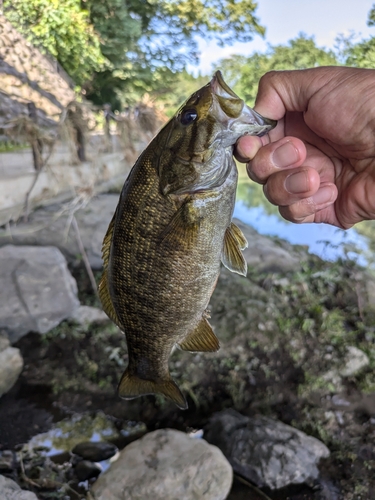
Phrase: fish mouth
[219,86]
[263,125]
[243,119]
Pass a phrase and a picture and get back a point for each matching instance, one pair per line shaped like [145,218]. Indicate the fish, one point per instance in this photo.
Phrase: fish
[171,231]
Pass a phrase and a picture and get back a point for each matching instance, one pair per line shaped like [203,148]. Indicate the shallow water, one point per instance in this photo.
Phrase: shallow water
[329,242]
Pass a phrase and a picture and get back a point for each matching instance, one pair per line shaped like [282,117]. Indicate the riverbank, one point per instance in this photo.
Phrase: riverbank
[298,347]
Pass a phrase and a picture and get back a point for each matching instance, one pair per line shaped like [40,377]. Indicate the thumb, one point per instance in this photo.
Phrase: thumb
[282,91]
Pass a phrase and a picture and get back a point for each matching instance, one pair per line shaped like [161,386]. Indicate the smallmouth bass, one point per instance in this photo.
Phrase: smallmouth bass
[171,230]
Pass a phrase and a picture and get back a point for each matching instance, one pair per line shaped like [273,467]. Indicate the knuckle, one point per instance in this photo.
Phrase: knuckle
[254,173]
[299,211]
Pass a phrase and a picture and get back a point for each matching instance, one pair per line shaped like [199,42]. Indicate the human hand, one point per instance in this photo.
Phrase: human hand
[318,164]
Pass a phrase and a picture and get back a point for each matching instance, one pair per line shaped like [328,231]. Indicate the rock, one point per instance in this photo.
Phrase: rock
[37,292]
[45,229]
[166,464]
[86,470]
[86,315]
[7,461]
[356,360]
[237,304]
[265,451]
[266,254]
[9,490]
[95,451]
[11,364]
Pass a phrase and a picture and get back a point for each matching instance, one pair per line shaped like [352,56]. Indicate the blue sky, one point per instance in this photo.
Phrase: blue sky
[284,19]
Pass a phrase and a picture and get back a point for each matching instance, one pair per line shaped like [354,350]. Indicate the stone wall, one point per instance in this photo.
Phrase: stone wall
[26,75]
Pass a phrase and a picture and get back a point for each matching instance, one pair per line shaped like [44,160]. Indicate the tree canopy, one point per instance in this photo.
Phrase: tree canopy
[113,48]
[243,73]
[361,53]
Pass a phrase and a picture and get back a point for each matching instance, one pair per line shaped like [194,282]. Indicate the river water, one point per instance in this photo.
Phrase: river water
[327,241]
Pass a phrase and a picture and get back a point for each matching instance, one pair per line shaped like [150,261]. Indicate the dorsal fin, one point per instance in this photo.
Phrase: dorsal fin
[106,246]
[103,289]
[106,300]
[131,387]
[201,339]
[232,257]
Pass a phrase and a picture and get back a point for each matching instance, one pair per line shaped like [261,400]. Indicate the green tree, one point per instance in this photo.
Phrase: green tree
[173,88]
[243,73]
[360,54]
[63,29]
[116,47]
[144,40]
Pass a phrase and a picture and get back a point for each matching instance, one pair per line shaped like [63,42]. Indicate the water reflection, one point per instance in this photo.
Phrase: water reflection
[324,240]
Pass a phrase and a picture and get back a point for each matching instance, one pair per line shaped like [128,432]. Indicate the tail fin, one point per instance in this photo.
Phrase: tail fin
[131,387]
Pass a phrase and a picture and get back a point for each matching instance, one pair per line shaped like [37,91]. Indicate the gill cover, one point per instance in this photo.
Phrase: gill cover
[200,138]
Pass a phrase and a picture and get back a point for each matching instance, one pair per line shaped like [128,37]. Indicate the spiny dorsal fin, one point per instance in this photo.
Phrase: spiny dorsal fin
[103,290]
[107,241]
[106,301]
[232,257]
[183,227]
[238,234]
[131,387]
[202,339]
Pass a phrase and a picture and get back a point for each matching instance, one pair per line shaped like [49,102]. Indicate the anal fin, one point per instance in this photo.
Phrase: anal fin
[131,387]
[234,242]
[201,339]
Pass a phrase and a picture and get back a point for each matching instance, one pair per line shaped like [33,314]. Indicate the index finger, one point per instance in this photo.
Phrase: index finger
[248,145]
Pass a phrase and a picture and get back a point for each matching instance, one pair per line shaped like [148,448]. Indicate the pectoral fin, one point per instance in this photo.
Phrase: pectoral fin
[234,242]
[183,227]
[131,387]
[201,339]
[239,236]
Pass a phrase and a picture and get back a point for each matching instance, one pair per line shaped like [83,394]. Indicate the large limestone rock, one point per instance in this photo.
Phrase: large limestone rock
[166,464]
[27,75]
[267,254]
[11,364]
[37,291]
[265,451]
[9,490]
[48,226]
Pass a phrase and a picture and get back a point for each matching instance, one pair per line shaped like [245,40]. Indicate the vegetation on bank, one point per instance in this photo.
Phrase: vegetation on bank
[117,51]
[285,341]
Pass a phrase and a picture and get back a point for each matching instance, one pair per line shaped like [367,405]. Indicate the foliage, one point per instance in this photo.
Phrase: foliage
[155,39]
[243,73]
[116,48]
[251,193]
[172,89]
[61,28]
[360,54]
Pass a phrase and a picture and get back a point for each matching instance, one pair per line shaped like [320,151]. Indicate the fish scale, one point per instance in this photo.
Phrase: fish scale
[171,230]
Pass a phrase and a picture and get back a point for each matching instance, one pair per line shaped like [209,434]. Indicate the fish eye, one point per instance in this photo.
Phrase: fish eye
[188,116]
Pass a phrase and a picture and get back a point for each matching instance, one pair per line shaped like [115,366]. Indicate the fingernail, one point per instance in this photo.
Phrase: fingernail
[324,195]
[285,155]
[297,183]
